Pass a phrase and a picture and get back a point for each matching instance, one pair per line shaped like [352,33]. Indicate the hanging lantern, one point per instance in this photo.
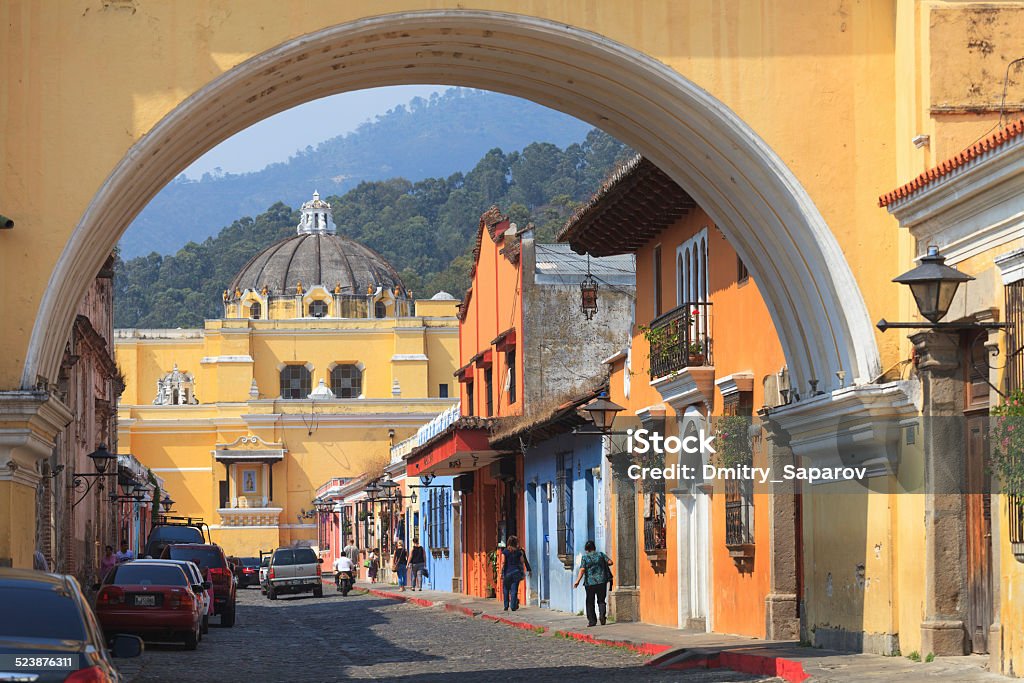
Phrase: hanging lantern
[588,294]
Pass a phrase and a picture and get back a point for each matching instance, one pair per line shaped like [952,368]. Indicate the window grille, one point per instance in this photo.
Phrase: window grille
[317,309]
[295,382]
[739,512]
[255,310]
[654,522]
[1014,293]
[346,381]
[563,487]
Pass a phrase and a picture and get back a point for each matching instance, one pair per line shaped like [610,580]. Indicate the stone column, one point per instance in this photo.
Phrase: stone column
[943,631]
[782,614]
[624,600]
[29,424]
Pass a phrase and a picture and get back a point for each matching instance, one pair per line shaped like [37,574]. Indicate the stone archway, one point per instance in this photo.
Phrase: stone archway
[754,198]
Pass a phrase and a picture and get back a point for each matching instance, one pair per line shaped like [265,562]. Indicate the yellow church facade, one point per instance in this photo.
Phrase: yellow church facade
[321,362]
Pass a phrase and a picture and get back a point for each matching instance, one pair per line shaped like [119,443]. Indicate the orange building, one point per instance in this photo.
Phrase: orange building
[702,552]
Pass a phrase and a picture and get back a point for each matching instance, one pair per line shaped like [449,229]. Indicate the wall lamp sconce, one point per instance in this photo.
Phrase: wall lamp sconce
[101,459]
[6,223]
[934,284]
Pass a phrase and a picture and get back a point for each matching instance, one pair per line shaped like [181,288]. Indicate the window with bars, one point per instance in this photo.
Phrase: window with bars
[489,390]
[317,309]
[346,381]
[438,504]
[510,361]
[255,310]
[655,537]
[296,382]
[1014,293]
[739,493]
[563,488]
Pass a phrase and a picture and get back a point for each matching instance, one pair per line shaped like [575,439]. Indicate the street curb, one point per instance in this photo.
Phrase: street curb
[459,609]
[649,649]
[789,670]
[526,626]
[421,602]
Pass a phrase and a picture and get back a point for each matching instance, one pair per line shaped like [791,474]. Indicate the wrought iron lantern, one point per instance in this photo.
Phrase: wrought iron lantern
[166,503]
[933,284]
[588,295]
[603,412]
[101,458]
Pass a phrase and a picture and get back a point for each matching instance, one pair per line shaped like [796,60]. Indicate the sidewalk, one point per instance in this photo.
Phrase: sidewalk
[675,649]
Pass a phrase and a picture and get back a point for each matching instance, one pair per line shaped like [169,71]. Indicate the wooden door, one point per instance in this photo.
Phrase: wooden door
[979,535]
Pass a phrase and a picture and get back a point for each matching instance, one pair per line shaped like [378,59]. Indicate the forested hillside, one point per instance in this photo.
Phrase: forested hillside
[429,138]
[426,229]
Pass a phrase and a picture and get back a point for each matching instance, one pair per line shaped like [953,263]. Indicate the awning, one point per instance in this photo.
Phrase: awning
[454,451]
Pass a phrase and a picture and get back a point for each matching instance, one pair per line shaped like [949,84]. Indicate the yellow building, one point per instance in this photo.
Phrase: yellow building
[321,361]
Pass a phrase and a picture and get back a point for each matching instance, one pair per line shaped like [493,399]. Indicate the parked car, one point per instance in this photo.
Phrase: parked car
[209,556]
[264,567]
[294,570]
[248,571]
[151,599]
[198,578]
[46,615]
[169,530]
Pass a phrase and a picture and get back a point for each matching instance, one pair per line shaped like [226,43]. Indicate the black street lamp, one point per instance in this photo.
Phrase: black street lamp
[101,459]
[166,503]
[933,284]
[603,412]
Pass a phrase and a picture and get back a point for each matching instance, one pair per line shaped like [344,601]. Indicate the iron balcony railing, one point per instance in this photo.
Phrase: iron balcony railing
[680,339]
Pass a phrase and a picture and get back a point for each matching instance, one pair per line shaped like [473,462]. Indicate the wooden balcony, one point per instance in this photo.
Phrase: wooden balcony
[681,338]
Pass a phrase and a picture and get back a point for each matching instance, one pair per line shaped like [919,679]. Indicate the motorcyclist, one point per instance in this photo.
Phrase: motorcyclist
[342,564]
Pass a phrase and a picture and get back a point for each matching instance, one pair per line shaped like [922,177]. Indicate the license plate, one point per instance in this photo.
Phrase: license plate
[145,600]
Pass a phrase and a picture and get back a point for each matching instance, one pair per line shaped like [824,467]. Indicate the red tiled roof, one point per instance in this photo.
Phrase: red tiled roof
[993,141]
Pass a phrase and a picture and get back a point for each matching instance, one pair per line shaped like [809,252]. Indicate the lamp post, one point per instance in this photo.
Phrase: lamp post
[101,459]
[602,412]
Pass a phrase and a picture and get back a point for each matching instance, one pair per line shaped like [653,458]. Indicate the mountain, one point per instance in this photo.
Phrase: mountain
[426,229]
[428,138]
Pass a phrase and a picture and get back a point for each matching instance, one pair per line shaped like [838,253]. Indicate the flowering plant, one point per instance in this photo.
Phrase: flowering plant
[733,445]
[1006,457]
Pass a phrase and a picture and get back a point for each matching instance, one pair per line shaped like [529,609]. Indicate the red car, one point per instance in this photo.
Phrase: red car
[209,556]
[152,600]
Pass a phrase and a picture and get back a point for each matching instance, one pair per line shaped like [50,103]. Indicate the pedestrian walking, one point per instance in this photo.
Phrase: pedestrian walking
[372,565]
[596,574]
[126,554]
[417,561]
[352,552]
[399,562]
[108,561]
[514,568]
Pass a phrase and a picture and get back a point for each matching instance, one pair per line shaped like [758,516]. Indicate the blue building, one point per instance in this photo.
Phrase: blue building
[564,499]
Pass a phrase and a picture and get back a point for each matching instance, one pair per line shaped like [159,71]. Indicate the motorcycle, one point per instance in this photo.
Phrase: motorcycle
[343,582]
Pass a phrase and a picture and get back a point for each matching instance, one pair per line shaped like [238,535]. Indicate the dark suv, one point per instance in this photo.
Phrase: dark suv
[210,557]
[168,530]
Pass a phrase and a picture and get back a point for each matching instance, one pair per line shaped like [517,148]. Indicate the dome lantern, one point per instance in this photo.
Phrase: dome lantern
[316,217]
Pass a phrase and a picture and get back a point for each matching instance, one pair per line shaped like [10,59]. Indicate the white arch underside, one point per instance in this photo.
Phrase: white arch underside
[751,195]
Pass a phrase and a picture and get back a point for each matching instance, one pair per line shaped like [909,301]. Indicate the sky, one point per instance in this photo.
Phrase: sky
[277,138]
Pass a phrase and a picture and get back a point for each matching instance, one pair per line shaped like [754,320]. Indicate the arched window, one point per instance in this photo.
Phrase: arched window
[296,382]
[255,310]
[347,381]
[318,309]
[380,310]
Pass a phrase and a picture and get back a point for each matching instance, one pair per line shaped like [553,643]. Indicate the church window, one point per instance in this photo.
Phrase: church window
[296,382]
[318,309]
[380,310]
[347,381]
[256,310]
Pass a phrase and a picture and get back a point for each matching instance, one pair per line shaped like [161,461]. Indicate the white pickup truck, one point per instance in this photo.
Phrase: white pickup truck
[294,570]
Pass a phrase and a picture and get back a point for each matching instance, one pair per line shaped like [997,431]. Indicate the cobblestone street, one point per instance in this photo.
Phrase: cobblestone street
[302,638]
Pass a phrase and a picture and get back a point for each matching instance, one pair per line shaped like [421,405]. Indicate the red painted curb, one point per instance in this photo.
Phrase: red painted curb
[649,649]
[789,670]
[516,624]
[449,607]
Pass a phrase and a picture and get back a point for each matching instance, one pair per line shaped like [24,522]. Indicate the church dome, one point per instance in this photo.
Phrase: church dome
[317,256]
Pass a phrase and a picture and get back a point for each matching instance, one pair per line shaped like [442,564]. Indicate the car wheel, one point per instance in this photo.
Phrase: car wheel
[271,593]
[318,592]
[206,624]
[228,617]
[192,640]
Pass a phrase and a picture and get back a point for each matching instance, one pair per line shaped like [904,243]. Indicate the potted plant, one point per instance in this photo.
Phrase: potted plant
[363,515]
[1006,458]
[695,354]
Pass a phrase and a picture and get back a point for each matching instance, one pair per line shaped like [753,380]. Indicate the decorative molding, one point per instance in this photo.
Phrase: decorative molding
[1011,265]
[29,424]
[208,360]
[249,517]
[181,469]
[687,387]
[407,357]
[735,383]
[857,426]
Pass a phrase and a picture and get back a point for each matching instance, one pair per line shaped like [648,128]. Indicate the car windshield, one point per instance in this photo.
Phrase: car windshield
[249,562]
[180,534]
[147,575]
[40,613]
[204,557]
